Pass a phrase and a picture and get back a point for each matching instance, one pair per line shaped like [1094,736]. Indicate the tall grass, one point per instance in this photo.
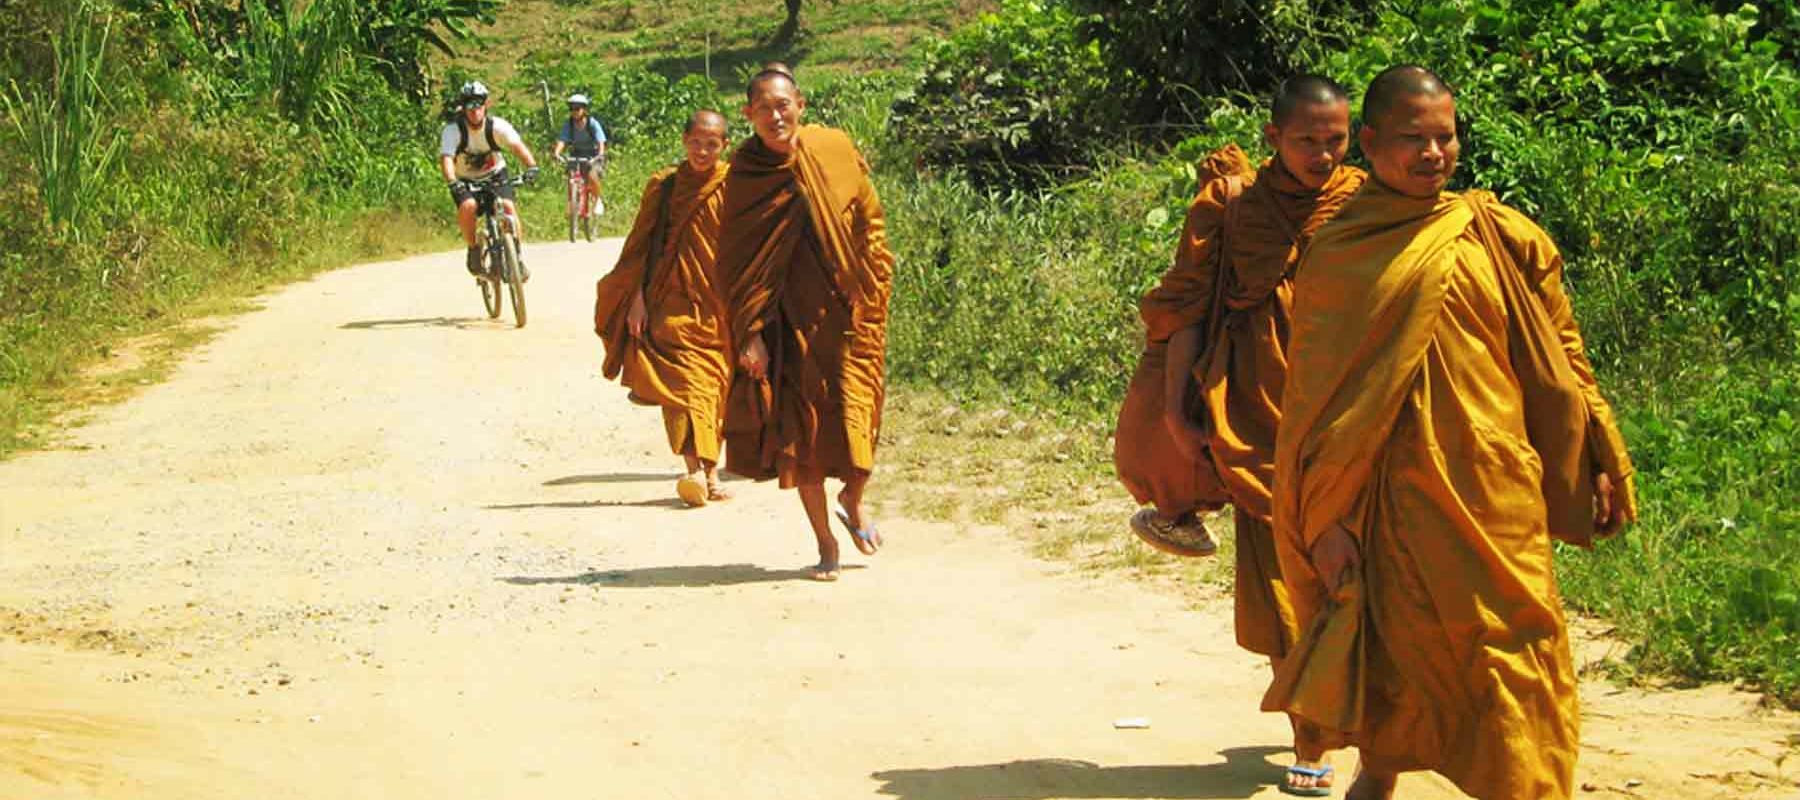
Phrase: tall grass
[65,128]
[303,57]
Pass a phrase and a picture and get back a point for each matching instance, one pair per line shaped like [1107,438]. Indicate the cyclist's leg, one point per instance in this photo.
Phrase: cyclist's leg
[596,171]
[465,219]
[593,186]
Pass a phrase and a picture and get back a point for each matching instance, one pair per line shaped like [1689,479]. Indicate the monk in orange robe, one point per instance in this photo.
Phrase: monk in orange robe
[1440,424]
[805,255]
[1198,425]
[661,311]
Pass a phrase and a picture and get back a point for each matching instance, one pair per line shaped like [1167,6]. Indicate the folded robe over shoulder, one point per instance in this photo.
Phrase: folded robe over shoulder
[682,362]
[804,252]
[1403,420]
[1232,277]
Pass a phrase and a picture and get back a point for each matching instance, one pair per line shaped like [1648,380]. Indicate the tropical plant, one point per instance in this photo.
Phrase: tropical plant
[65,126]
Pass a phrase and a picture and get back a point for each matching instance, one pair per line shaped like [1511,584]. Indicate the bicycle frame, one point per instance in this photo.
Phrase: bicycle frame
[494,220]
[580,200]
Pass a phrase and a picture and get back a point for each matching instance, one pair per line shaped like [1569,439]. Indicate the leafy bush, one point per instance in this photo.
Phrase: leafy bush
[1015,97]
[1708,585]
[1168,56]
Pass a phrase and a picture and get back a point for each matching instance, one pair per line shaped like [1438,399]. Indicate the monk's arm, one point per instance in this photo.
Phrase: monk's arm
[1178,373]
[1543,265]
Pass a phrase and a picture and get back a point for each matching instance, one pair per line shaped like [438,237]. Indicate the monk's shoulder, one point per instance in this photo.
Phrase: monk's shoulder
[1519,230]
[656,179]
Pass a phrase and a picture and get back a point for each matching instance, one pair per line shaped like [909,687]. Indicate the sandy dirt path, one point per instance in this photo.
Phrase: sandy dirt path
[366,544]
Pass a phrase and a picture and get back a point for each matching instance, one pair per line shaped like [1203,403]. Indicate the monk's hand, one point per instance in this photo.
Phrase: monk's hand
[755,358]
[1190,439]
[635,317]
[1335,556]
[1606,512]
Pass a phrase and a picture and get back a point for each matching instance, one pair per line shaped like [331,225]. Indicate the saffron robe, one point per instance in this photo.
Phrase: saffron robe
[682,363]
[1232,277]
[805,255]
[1403,420]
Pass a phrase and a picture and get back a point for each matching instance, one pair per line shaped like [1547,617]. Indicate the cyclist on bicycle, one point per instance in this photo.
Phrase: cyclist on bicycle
[469,151]
[584,138]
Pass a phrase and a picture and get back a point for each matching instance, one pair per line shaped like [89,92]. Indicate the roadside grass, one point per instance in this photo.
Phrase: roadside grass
[1042,479]
[673,37]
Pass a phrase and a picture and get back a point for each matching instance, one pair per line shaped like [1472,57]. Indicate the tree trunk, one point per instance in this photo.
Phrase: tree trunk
[791,25]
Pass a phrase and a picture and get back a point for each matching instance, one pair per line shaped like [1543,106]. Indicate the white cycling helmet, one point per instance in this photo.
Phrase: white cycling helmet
[578,99]
[474,94]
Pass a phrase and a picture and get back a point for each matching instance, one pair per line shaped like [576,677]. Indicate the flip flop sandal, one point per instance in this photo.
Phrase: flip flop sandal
[691,490]
[824,574]
[1307,791]
[868,541]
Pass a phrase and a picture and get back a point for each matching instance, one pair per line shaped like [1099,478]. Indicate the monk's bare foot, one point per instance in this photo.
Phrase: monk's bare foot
[1370,786]
[692,490]
[824,572]
[1308,778]
[715,492]
[862,533]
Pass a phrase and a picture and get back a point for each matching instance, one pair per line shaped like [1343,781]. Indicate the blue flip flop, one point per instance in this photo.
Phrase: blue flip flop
[1307,791]
[868,541]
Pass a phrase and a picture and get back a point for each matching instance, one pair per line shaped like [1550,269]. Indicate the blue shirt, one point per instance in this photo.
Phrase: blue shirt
[585,142]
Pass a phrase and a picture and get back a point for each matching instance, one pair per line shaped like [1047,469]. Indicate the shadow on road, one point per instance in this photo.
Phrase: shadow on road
[664,502]
[460,323]
[617,477]
[1246,770]
[696,576]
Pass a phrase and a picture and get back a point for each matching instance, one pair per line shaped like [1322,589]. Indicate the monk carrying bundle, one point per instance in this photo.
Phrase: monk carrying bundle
[1198,426]
[806,259]
[1440,424]
[661,311]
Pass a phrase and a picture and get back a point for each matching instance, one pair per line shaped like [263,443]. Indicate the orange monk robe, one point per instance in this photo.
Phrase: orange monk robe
[805,254]
[1247,255]
[1403,420]
[683,361]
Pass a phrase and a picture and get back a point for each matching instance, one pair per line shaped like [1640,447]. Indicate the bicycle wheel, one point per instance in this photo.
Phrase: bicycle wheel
[514,275]
[490,288]
[574,205]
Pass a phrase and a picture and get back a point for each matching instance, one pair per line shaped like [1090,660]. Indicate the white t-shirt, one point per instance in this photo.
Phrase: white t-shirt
[478,160]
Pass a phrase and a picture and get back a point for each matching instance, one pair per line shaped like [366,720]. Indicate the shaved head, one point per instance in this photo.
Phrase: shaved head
[767,78]
[1397,83]
[704,118]
[777,66]
[1303,90]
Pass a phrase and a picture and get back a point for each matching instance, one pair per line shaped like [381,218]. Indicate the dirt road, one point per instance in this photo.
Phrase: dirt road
[367,545]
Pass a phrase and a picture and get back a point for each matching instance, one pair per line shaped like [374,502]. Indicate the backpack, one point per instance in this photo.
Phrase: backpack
[462,134]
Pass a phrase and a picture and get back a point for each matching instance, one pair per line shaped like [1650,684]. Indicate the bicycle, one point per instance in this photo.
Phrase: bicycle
[580,201]
[497,237]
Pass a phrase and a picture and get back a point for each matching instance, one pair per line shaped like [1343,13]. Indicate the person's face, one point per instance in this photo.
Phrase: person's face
[1414,149]
[775,114]
[1312,141]
[578,113]
[704,144]
[476,116]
